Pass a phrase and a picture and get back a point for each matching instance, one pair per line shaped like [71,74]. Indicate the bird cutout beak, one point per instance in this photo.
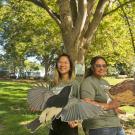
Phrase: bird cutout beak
[49,113]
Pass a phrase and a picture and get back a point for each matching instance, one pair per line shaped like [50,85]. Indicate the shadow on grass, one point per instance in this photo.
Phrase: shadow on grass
[14,113]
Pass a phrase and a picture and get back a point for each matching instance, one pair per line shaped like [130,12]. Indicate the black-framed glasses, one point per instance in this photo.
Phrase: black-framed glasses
[100,65]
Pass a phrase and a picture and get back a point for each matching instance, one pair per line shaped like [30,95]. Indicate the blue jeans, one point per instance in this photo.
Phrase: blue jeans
[107,131]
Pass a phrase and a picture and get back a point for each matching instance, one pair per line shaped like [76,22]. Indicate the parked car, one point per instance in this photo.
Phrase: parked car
[12,76]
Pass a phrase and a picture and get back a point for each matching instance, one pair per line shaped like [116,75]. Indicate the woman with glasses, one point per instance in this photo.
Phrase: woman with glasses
[94,89]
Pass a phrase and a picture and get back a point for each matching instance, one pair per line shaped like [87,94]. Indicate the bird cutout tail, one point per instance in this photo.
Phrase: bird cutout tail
[34,125]
[48,114]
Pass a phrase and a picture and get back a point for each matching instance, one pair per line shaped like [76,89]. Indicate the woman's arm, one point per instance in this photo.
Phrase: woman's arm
[106,106]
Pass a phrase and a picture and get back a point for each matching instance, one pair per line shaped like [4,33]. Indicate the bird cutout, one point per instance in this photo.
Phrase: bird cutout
[124,92]
[59,106]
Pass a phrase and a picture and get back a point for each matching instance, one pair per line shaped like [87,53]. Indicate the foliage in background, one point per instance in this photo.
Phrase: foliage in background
[113,41]
[28,31]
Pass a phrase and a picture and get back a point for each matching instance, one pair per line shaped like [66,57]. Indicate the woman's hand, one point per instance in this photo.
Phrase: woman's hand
[114,104]
[73,124]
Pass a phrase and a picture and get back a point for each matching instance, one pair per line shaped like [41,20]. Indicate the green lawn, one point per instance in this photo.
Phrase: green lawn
[14,113]
[114,81]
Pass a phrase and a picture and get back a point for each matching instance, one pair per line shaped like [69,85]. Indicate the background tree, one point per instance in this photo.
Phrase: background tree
[113,40]
[27,32]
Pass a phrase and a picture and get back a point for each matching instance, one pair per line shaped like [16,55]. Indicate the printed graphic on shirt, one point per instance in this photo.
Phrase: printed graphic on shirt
[106,88]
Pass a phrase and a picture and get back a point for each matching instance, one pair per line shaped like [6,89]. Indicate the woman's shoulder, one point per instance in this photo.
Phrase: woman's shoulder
[105,81]
[88,79]
[75,82]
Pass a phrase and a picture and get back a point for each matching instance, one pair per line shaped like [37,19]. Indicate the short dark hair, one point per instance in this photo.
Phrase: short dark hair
[90,72]
[70,61]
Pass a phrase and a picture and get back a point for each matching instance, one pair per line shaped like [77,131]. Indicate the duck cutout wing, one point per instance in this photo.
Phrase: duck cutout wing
[124,92]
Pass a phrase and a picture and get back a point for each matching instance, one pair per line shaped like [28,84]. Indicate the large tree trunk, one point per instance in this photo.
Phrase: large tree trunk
[46,64]
[77,29]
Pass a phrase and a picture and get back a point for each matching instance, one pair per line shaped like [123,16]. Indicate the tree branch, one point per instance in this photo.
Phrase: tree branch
[65,14]
[129,26]
[74,10]
[42,4]
[120,6]
[89,11]
[96,20]
[51,13]
[38,3]
[81,19]
[66,20]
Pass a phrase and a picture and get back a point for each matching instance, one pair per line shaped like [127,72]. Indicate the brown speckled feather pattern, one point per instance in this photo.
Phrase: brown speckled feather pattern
[124,91]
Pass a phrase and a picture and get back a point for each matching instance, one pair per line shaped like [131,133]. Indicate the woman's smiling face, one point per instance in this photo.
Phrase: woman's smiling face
[63,65]
[100,68]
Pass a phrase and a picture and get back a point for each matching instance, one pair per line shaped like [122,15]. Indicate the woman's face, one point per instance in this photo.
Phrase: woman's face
[100,68]
[63,65]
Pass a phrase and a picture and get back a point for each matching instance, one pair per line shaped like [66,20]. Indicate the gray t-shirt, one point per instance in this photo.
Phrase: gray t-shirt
[95,89]
[74,89]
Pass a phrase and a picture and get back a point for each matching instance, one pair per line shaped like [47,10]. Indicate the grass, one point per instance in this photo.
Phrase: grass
[128,109]
[14,113]
[114,81]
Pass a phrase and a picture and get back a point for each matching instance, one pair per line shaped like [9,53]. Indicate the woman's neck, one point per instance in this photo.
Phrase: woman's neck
[65,77]
[98,77]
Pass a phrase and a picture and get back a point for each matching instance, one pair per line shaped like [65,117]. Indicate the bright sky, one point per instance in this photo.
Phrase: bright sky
[33,59]
[1,50]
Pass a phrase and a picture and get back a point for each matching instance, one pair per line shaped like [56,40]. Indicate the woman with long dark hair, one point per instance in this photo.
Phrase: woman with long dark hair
[94,90]
[63,77]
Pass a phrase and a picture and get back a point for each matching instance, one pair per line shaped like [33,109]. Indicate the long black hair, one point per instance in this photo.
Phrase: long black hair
[90,71]
[71,65]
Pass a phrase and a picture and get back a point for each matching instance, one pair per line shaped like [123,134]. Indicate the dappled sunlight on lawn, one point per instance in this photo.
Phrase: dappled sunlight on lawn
[14,112]
[3,112]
